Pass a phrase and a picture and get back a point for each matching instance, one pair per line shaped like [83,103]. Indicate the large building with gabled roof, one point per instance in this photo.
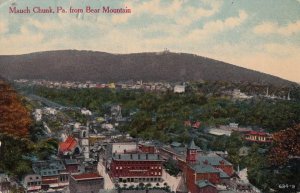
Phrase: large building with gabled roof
[203,172]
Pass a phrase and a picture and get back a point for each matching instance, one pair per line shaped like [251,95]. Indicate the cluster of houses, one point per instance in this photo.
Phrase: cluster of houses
[87,161]
[100,160]
[237,94]
[130,85]
[132,163]
[91,161]
[249,135]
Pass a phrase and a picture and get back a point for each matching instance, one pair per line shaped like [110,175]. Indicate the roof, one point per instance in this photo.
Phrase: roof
[175,151]
[146,144]
[192,145]
[71,161]
[204,183]
[48,168]
[137,157]
[196,124]
[214,160]
[223,174]
[179,150]
[67,145]
[87,176]
[257,133]
[175,144]
[227,191]
[203,168]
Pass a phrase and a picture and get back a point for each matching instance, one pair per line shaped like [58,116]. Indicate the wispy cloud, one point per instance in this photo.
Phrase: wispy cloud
[214,27]
[267,28]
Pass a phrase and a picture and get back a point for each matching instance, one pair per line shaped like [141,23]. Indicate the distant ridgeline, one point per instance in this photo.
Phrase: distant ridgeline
[75,65]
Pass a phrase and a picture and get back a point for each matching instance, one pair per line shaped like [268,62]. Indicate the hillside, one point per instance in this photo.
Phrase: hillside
[75,65]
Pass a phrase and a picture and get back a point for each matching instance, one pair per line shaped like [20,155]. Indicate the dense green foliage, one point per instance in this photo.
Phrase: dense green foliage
[17,153]
[171,166]
[18,135]
[161,116]
[161,113]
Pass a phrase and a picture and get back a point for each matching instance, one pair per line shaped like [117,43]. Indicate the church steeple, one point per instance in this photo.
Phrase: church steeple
[191,153]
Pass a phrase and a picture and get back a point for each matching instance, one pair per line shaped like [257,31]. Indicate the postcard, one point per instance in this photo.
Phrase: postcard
[199,96]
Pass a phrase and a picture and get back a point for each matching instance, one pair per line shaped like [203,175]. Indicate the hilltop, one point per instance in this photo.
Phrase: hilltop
[76,65]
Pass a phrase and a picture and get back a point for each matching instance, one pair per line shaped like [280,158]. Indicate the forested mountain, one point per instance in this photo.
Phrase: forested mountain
[75,65]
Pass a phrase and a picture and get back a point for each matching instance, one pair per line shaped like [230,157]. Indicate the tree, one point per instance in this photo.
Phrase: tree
[286,145]
[15,118]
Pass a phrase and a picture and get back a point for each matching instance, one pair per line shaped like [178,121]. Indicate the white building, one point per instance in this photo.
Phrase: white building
[38,114]
[84,142]
[219,132]
[50,111]
[108,126]
[77,125]
[236,93]
[233,125]
[124,147]
[86,112]
[179,89]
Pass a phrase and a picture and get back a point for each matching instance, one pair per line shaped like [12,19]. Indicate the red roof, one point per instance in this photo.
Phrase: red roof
[87,176]
[195,124]
[50,181]
[257,133]
[67,145]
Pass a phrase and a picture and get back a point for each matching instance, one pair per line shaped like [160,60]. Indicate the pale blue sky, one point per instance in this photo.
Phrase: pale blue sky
[258,34]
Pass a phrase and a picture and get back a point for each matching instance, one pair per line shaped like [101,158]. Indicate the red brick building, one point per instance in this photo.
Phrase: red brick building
[136,167]
[147,148]
[86,183]
[202,172]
